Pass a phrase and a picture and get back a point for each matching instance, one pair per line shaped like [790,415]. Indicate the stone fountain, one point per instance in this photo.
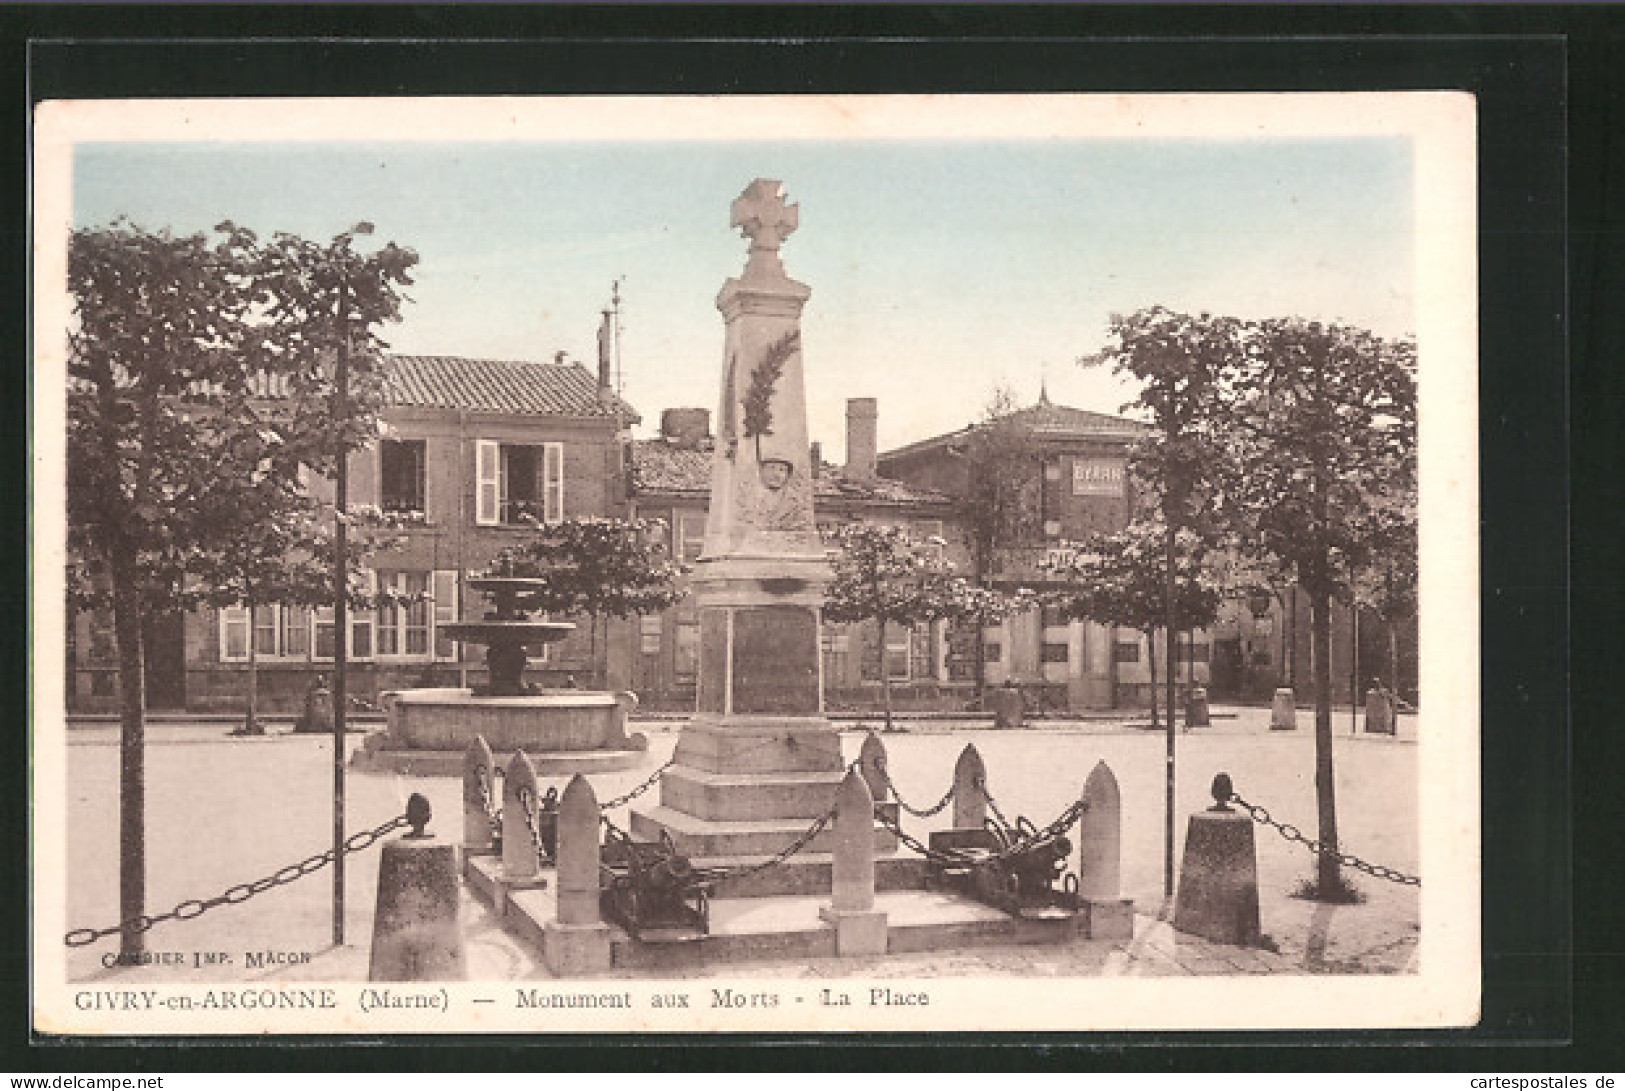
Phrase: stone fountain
[562,731]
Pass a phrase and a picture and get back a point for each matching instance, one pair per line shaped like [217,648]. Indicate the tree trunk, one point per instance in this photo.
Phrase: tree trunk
[251,723]
[886,678]
[1393,656]
[132,754]
[1325,784]
[592,650]
[1151,655]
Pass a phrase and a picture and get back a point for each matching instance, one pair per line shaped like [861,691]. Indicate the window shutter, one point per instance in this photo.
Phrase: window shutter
[445,612]
[553,482]
[234,634]
[488,486]
[363,624]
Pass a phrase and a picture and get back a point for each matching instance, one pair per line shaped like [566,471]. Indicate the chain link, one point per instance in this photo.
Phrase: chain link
[891,788]
[992,804]
[1292,833]
[238,893]
[650,782]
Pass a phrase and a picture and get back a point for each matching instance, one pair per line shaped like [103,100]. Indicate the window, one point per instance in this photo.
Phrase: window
[234,632]
[1052,617]
[898,645]
[1053,653]
[278,632]
[267,630]
[1126,651]
[403,625]
[992,651]
[103,647]
[445,612]
[402,475]
[518,481]
[686,646]
[410,627]
[690,530]
[1186,651]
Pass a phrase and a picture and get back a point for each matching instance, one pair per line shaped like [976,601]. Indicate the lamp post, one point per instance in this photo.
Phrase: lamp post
[341,621]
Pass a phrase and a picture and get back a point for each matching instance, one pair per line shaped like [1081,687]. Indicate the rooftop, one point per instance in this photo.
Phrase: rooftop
[498,386]
[660,466]
[1044,418]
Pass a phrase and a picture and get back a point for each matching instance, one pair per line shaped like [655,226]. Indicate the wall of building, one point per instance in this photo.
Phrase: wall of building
[448,542]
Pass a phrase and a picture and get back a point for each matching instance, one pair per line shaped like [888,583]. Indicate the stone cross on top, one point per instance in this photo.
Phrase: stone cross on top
[762,213]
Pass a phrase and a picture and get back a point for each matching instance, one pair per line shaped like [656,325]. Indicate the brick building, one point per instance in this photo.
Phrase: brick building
[471,445]
[1080,487]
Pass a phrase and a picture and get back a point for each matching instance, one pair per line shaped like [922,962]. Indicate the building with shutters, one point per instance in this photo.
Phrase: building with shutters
[473,447]
[1079,487]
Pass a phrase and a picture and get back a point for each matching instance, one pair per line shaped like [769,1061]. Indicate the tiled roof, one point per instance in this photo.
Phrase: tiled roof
[662,467]
[1048,417]
[1044,418]
[497,386]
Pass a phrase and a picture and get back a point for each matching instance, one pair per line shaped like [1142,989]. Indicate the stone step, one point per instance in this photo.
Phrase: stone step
[729,797]
[768,929]
[812,874]
[696,837]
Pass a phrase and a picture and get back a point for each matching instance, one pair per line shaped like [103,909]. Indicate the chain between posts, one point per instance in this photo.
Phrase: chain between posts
[891,788]
[241,892]
[650,782]
[992,805]
[1291,833]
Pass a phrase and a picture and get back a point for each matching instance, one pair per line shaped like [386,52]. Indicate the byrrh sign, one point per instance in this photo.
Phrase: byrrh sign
[1097,477]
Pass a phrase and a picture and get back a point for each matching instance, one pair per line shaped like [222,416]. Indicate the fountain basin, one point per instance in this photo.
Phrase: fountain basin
[561,731]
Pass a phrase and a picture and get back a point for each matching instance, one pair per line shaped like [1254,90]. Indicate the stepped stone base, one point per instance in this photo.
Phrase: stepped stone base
[749,787]
[701,837]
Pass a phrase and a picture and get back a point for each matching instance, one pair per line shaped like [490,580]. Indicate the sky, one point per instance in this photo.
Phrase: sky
[940,269]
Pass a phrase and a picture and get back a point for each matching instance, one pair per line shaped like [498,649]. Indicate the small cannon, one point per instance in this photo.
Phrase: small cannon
[652,891]
[1020,870]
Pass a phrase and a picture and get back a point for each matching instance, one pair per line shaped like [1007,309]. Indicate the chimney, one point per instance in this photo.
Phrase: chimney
[686,428]
[861,447]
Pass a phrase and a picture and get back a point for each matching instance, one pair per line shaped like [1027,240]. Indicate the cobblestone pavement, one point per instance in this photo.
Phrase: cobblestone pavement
[224,811]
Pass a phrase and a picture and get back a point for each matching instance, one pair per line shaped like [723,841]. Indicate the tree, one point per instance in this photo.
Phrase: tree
[1120,579]
[884,575]
[173,343]
[1324,417]
[997,494]
[598,567]
[1387,583]
[1182,363]
[282,554]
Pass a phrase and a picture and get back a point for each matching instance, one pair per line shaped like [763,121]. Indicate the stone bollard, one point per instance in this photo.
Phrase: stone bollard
[1108,915]
[1196,710]
[970,790]
[479,792]
[872,764]
[521,863]
[1284,711]
[860,928]
[416,934]
[578,941]
[1379,713]
[317,717]
[1218,878]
